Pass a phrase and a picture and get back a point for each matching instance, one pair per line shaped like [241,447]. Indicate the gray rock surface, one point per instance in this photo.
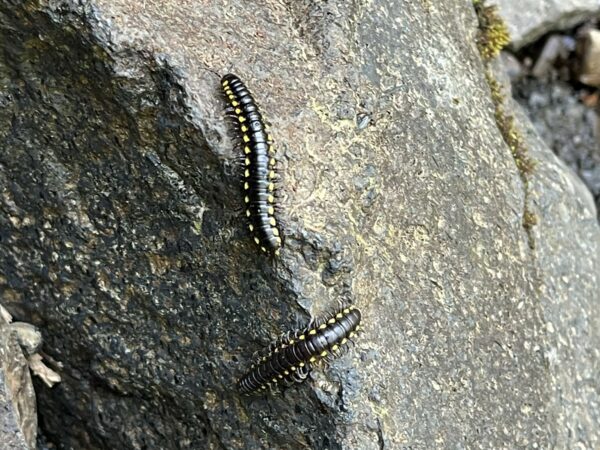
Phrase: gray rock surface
[528,20]
[18,414]
[566,125]
[120,238]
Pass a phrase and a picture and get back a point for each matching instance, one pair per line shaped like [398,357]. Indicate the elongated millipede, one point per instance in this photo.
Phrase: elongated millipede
[291,358]
[259,178]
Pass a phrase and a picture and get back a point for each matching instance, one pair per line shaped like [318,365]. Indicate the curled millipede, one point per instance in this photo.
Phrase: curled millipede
[292,357]
[259,176]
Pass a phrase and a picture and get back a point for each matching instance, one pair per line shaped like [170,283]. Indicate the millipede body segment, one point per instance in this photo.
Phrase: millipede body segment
[292,357]
[259,176]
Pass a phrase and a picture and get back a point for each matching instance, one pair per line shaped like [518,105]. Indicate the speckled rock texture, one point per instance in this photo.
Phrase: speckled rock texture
[121,237]
[528,20]
[18,413]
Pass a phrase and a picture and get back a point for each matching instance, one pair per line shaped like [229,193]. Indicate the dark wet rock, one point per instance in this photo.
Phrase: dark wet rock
[122,242]
[529,20]
[18,415]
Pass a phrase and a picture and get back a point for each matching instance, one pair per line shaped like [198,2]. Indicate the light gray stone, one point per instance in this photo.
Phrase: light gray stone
[18,414]
[528,20]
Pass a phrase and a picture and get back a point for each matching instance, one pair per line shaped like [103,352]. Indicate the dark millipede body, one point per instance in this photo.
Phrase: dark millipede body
[292,357]
[259,178]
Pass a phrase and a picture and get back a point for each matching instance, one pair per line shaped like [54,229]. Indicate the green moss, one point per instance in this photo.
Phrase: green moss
[493,32]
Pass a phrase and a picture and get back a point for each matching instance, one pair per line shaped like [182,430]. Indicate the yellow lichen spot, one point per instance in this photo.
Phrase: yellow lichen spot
[301,337]
[270,199]
[332,320]
[257,240]
[312,332]
[335,348]
[247,150]
[324,353]
[322,326]
[272,221]
[271,210]
[248,213]
[245,137]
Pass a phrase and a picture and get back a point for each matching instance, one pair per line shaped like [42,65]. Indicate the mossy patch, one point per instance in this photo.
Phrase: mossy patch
[492,38]
[493,32]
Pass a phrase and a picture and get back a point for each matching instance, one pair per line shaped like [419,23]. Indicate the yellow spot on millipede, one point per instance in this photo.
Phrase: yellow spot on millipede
[335,348]
[257,240]
[247,173]
[339,315]
[293,368]
[292,342]
[272,174]
[274,380]
[247,161]
[238,111]
[271,187]
[322,326]
[279,242]
[231,97]
[351,335]
[264,249]
[245,137]
[332,320]
[225,83]
[251,227]
[247,150]
[272,162]
[301,364]
[248,213]
[324,354]
[271,210]
[244,128]
[312,359]
[302,337]
[241,119]
[346,311]
[247,199]
[234,103]
[271,149]
[312,332]
[270,199]
[246,185]
[344,341]
[286,372]
[272,221]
